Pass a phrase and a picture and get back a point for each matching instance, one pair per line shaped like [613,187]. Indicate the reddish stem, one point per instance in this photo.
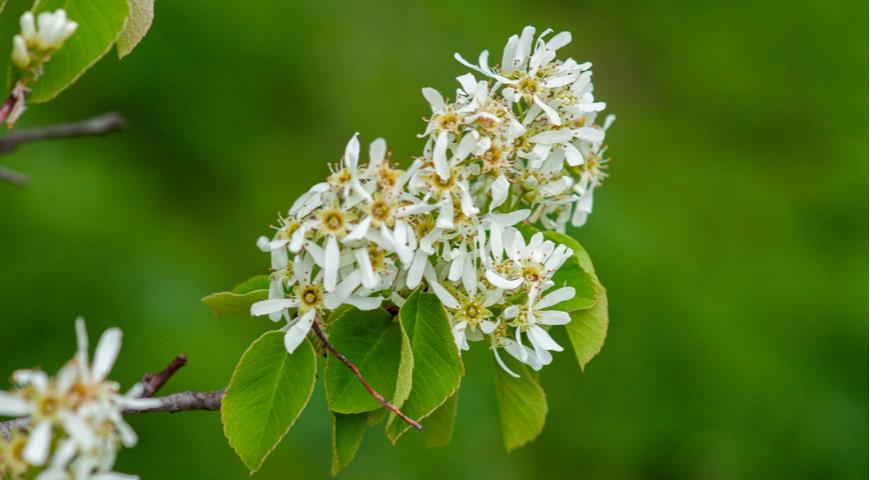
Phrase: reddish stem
[377,396]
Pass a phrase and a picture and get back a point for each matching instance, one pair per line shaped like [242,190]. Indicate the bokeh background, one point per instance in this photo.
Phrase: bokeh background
[732,234]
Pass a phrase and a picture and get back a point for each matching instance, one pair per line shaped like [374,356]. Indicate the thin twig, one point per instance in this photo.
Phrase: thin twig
[152,382]
[11,176]
[191,400]
[102,125]
[9,427]
[182,402]
[377,396]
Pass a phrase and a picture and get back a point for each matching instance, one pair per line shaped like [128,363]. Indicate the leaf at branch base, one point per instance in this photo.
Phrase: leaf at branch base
[239,300]
[138,24]
[228,303]
[522,404]
[588,330]
[437,366]
[100,23]
[347,435]
[268,391]
[257,282]
[438,427]
[373,342]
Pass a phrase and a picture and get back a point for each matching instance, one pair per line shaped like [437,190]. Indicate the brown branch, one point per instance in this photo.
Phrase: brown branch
[102,125]
[182,402]
[152,382]
[191,400]
[377,396]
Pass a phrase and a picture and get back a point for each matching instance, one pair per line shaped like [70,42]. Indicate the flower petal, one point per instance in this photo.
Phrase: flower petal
[298,331]
[36,450]
[265,307]
[13,406]
[331,257]
[556,296]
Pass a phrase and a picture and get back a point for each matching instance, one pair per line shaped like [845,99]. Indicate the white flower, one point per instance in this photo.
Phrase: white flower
[529,264]
[308,298]
[534,315]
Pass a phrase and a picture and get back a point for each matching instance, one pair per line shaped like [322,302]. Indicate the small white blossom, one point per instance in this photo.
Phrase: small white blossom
[82,405]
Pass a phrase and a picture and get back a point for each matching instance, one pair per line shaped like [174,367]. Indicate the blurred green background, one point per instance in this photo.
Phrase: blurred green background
[732,234]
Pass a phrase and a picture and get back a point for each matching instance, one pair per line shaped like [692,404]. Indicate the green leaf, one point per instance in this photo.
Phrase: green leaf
[437,366]
[373,342]
[522,404]
[338,313]
[571,275]
[438,428]
[228,303]
[138,24]
[406,371]
[100,23]
[347,435]
[573,244]
[588,329]
[257,282]
[268,391]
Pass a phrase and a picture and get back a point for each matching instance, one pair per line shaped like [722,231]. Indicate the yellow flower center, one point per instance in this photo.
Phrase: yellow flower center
[332,221]
[310,296]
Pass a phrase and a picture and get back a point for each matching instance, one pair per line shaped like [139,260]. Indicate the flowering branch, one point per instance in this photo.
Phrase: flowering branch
[193,400]
[377,396]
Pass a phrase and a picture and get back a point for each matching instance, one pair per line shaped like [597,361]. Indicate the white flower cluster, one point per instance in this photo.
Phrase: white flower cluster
[519,145]
[77,414]
[40,37]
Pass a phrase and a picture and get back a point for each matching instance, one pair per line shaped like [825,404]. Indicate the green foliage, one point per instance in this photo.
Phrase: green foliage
[572,275]
[138,23]
[438,428]
[239,300]
[588,329]
[100,23]
[347,435]
[522,404]
[268,390]
[437,366]
[257,282]
[373,342]
[571,242]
